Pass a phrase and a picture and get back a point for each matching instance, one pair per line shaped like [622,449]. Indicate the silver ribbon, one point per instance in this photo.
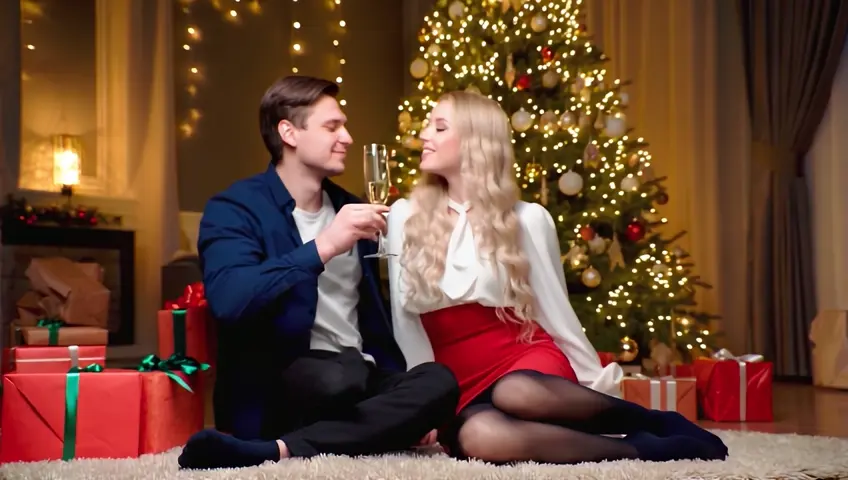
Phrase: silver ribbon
[656,392]
[73,352]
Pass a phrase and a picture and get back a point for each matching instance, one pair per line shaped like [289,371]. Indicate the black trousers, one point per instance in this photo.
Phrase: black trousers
[341,404]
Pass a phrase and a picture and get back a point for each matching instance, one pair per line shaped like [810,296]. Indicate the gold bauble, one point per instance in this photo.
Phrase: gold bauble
[591,277]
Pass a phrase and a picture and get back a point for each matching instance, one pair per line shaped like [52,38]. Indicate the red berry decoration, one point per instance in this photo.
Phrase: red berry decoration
[635,231]
[587,233]
[662,198]
[523,82]
[547,54]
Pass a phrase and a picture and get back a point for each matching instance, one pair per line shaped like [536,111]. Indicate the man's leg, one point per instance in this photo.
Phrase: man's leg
[404,408]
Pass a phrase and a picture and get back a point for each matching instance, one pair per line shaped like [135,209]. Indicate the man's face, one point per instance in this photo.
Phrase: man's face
[323,142]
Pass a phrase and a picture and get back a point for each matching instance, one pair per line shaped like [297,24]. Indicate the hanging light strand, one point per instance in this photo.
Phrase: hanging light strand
[337,45]
[189,42]
[296,40]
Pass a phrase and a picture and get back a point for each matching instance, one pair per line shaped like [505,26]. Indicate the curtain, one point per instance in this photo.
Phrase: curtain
[826,172]
[791,52]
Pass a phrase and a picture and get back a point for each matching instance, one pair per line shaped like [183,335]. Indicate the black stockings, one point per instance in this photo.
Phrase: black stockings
[550,419]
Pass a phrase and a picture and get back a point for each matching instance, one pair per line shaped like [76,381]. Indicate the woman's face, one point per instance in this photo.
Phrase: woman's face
[440,154]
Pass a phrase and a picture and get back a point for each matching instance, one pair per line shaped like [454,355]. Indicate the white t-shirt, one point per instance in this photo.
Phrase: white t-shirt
[336,318]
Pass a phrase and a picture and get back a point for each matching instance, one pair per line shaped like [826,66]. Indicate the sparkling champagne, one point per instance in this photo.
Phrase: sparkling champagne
[378,192]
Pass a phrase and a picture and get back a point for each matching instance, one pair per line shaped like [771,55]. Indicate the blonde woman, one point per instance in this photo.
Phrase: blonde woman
[478,286]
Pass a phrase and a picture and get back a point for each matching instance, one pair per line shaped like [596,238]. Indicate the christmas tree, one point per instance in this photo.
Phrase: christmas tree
[629,285]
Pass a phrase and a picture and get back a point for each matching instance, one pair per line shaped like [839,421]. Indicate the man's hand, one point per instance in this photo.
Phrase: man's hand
[353,222]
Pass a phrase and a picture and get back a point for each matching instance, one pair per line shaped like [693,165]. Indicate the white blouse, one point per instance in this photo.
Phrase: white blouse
[471,279]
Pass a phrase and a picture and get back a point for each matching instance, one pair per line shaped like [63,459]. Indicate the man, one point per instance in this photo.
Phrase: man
[307,361]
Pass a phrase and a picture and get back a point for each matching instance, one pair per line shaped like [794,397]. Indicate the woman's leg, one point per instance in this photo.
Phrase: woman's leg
[487,434]
[533,396]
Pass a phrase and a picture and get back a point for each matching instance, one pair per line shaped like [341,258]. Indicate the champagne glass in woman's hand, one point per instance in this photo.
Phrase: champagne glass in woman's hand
[377,183]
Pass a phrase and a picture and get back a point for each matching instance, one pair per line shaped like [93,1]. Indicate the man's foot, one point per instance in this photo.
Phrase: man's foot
[213,449]
[667,424]
[676,447]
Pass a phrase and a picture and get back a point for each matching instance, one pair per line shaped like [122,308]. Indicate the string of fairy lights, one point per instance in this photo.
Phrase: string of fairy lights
[442,52]
[298,47]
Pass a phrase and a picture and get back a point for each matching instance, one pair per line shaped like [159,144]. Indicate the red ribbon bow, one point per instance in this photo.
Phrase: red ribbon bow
[193,296]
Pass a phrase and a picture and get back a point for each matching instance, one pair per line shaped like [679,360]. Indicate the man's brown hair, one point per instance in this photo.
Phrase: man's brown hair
[290,98]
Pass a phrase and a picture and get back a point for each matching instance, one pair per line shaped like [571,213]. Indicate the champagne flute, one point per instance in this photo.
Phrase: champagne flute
[377,182]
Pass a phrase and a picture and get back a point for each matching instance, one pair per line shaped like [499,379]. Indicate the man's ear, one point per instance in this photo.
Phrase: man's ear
[287,133]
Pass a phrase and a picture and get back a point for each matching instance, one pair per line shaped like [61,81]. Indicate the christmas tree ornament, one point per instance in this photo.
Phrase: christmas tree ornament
[630,184]
[419,68]
[548,55]
[456,10]
[549,121]
[586,95]
[661,198]
[629,350]
[524,82]
[647,173]
[623,99]
[521,120]
[514,4]
[509,74]
[597,244]
[550,79]
[570,183]
[404,121]
[539,23]
[434,50]
[616,258]
[635,231]
[591,277]
[587,233]
[633,160]
[615,125]
[567,120]
[590,155]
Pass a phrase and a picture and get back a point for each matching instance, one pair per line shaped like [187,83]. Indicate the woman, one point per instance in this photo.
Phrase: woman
[478,286]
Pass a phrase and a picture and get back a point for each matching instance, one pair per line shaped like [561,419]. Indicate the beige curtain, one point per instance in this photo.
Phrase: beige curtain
[687,100]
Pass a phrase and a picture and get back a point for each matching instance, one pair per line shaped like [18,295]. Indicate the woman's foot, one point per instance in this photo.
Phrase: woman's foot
[213,449]
[666,424]
[676,447]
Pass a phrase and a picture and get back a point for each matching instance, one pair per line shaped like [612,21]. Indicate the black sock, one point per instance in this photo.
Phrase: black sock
[213,449]
[667,424]
[676,447]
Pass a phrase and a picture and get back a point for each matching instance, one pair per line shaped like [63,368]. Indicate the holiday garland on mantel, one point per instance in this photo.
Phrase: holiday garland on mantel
[19,210]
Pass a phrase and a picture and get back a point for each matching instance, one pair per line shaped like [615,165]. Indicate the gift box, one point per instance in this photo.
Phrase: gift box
[186,329]
[667,394]
[70,292]
[735,389]
[829,335]
[172,411]
[56,333]
[81,414]
[29,359]
[29,308]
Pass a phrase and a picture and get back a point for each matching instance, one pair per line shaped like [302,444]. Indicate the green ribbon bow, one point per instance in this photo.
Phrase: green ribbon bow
[71,408]
[181,363]
[52,325]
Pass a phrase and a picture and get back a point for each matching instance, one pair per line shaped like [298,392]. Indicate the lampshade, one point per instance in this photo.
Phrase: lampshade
[67,159]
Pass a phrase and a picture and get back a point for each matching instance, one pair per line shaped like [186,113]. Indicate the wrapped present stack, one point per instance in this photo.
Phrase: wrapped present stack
[68,305]
[829,336]
[86,411]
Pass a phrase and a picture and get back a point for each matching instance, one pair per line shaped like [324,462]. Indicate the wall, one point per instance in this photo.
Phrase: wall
[827,175]
[241,61]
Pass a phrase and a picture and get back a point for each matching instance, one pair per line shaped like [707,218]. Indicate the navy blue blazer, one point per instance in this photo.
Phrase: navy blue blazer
[261,285]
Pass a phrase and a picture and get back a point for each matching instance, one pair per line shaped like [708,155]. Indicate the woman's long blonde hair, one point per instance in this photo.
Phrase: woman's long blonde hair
[488,178]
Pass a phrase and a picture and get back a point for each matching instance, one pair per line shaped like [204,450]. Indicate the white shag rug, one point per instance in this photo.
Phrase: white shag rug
[752,456]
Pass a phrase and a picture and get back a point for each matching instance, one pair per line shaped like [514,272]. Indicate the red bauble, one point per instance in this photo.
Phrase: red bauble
[523,82]
[662,198]
[635,231]
[587,233]
[393,191]
[547,54]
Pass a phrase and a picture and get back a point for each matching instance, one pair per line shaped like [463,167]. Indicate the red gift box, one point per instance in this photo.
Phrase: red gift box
[607,358]
[667,394]
[735,390]
[185,327]
[170,413]
[26,359]
[35,408]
